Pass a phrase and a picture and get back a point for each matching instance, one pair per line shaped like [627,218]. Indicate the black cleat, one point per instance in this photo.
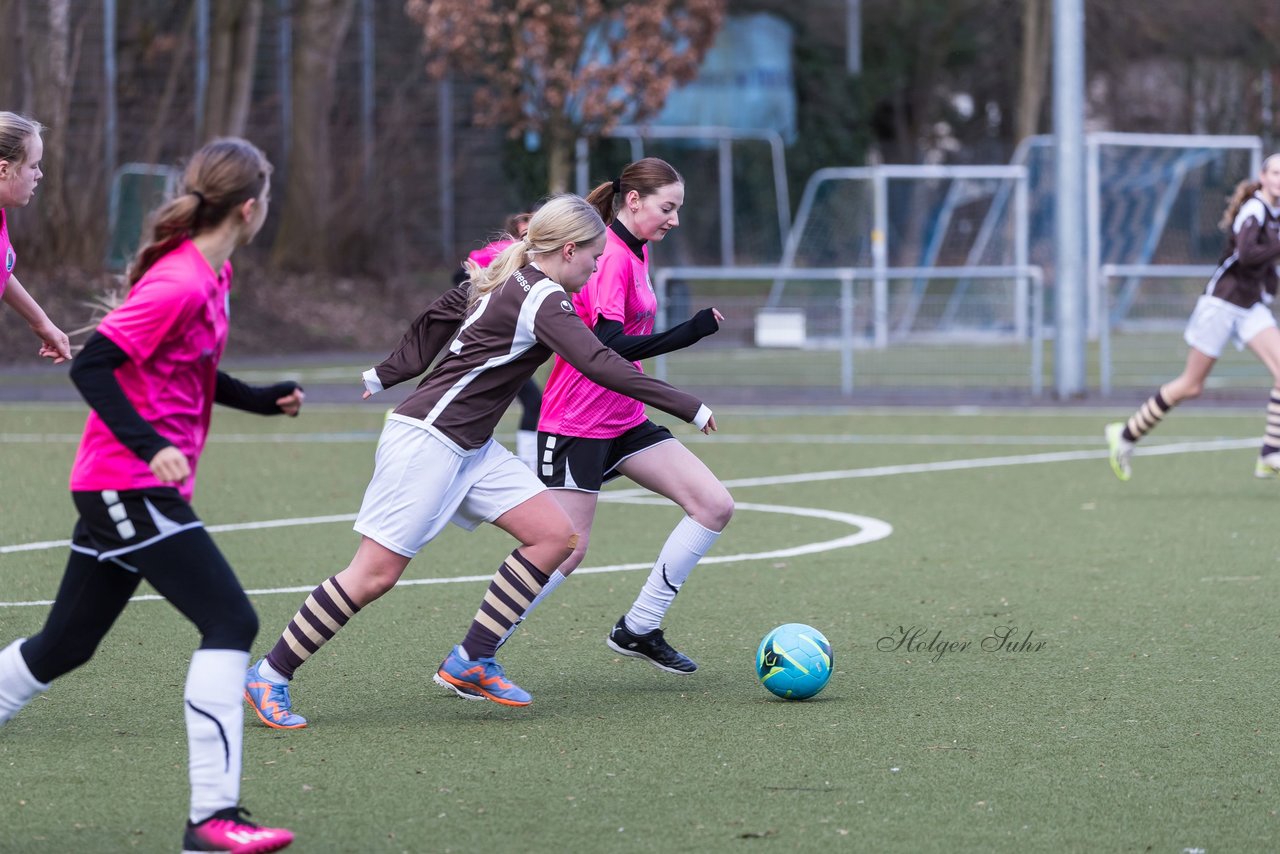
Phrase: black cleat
[652,647]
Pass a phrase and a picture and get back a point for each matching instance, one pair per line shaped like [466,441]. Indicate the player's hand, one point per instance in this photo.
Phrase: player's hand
[54,343]
[292,402]
[715,312]
[366,394]
[711,426]
[170,465]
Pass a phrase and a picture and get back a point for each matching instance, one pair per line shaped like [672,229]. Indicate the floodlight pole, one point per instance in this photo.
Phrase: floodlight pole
[1069,237]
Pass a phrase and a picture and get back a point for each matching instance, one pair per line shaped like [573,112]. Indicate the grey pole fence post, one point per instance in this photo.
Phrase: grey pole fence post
[284,81]
[110,131]
[367,103]
[202,67]
[1068,124]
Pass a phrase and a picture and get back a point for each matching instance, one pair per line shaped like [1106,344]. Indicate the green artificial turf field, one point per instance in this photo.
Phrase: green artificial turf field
[1139,714]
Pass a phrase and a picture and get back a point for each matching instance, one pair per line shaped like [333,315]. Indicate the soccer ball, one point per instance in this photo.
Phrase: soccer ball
[794,661]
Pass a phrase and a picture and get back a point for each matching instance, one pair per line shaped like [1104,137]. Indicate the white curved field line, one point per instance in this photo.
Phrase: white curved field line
[870,529]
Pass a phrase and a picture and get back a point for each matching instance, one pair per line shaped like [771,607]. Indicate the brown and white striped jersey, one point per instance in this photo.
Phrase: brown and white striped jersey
[1247,272]
[502,340]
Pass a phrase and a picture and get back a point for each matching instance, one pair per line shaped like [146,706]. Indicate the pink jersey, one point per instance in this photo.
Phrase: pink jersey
[173,327]
[484,256]
[6,248]
[620,290]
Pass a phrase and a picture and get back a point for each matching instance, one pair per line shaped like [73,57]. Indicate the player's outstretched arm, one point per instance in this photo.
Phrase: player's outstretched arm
[633,348]
[422,342]
[557,326]
[282,398]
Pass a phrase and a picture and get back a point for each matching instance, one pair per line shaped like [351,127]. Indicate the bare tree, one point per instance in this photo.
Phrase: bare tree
[1037,46]
[51,66]
[567,68]
[233,50]
[14,72]
[319,27]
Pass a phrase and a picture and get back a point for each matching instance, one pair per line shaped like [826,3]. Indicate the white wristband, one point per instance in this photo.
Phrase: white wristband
[371,382]
[704,415]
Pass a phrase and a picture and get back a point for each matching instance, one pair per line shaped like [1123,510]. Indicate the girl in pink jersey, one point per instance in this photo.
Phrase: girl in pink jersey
[437,462]
[589,435]
[20,151]
[150,375]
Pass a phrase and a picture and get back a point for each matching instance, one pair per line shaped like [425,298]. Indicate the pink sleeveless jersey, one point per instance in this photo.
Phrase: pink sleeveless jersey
[620,290]
[6,252]
[173,327]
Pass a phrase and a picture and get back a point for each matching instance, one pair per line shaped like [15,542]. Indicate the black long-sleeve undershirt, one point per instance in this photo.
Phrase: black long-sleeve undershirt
[260,400]
[637,347]
[94,374]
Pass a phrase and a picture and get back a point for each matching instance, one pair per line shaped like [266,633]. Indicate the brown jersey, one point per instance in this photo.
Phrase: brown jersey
[502,340]
[1247,270]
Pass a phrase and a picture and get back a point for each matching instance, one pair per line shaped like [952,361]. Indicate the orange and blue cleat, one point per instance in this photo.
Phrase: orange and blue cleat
[483,676]
[270,701]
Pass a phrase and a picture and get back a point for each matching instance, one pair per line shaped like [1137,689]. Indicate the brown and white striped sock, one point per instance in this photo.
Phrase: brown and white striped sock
[326,610]
[1146,418]
[512,591]
[1271,439]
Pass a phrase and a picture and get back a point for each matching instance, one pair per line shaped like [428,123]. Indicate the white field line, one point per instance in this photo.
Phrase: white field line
[1033,410]
[869,530]
[886,439]
[774,480]
[976,463]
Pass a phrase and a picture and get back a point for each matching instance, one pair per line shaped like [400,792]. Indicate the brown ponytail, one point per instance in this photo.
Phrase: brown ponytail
[1243,192]
[646,176]
[221,176]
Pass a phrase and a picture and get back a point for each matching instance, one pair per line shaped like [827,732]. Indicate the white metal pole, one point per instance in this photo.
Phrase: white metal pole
[726,203]
[1068,126]
[880,259]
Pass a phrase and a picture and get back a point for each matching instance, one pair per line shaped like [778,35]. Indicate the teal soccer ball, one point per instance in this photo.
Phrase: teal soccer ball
[794,661]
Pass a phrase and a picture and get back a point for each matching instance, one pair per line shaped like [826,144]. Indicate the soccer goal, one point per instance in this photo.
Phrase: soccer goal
[136,188]
[1153,206]
[926,218]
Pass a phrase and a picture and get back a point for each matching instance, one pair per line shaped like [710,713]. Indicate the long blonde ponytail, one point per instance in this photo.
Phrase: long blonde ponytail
[564,219]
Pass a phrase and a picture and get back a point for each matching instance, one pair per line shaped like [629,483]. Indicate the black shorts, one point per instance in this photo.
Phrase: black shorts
[572,462]
[114,523]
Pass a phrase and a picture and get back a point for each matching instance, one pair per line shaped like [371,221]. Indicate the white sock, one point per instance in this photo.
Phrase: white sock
[680,554]
[552,583]
[269,673]
[214,709]
[527,448]
[17,686]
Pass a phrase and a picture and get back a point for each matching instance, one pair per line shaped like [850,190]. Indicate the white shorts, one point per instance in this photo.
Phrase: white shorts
[420,484]
[1216,321]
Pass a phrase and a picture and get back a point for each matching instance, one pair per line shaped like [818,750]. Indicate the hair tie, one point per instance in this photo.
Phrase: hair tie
[200,200]
[617,186]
